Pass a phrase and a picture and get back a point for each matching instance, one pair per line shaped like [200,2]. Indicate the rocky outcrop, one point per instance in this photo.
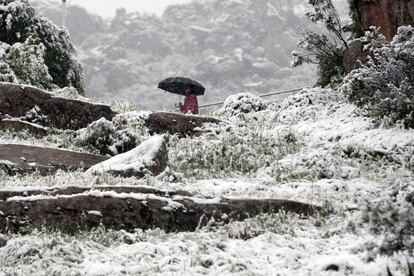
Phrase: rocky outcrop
[386,14]
[354,55]
[162,122]
[71,213]
[27,159]
[17,100]
[150,157]
[16,125]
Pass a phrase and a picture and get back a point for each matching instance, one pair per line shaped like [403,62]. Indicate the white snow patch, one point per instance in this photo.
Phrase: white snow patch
[7,163]
[25,122]
[136,159]
[95,213]
[201,29]
[137,196]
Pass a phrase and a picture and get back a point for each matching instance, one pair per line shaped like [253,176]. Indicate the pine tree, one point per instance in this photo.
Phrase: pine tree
[22,28]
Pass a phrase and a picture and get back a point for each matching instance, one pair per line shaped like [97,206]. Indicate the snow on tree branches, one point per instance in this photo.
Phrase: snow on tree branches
[325,50]
[35,51]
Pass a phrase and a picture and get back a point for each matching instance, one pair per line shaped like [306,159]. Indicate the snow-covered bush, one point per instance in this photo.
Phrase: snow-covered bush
[6,73]
[36,51]
[307,105]
[105,137]
[315,165]
[68,92]
[391,219]
[235,152]
[34,116]
[26,63]
[384,87]
[242,103]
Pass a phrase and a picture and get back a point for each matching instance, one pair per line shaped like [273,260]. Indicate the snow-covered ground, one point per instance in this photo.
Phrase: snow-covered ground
[314,147]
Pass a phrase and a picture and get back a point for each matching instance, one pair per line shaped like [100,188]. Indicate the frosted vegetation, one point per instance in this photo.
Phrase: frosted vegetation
[316,147]
[35,51]
[384,87]
[313,147]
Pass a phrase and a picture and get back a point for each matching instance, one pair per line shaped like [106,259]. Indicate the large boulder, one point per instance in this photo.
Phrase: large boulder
[150,157]
[18,100]
[386,14]
[27,159]
[162,122]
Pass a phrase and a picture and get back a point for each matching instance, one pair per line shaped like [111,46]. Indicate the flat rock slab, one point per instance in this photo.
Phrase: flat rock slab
[132,211]
[18,126]
[27,159]
[162,122]
[17,100]
[71,190]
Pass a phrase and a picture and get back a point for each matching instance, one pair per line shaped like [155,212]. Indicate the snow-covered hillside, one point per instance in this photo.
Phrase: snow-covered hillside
[314,147]
[230,46]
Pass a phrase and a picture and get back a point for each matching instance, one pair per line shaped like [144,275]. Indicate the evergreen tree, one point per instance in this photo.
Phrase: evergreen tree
[34,40]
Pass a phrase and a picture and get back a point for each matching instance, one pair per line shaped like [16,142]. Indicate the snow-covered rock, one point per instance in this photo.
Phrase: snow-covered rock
[28,159]
[175,123]
[42,107]
[17,125]
[149,157]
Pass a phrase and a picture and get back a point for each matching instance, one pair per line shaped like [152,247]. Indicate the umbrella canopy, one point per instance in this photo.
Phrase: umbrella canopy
[178,85]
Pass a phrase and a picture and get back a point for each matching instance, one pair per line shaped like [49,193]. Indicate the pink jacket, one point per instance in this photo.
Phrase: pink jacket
[190,105]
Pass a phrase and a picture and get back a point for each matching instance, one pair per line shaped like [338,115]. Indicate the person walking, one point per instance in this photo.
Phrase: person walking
[190,102]
[184,87]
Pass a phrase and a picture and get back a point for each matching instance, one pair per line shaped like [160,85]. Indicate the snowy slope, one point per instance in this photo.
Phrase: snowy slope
[314,147]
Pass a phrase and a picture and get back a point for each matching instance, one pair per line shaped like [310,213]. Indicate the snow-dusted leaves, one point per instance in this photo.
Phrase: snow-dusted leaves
[384,87]
[243,103]
[105,137]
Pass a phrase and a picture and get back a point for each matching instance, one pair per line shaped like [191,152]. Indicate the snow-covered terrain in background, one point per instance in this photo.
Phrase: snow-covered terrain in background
[229,46]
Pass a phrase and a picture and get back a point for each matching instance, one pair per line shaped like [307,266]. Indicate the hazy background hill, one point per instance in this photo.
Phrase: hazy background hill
[230,46]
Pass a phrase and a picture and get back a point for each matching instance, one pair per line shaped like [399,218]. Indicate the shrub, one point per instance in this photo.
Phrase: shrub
[242,103]
[106,138]
[325,50]
[384,87]
[229,153]
[33,116]
[31,41]
[391,219]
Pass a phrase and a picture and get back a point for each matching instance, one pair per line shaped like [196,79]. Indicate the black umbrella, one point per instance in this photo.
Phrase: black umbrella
[178,85]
